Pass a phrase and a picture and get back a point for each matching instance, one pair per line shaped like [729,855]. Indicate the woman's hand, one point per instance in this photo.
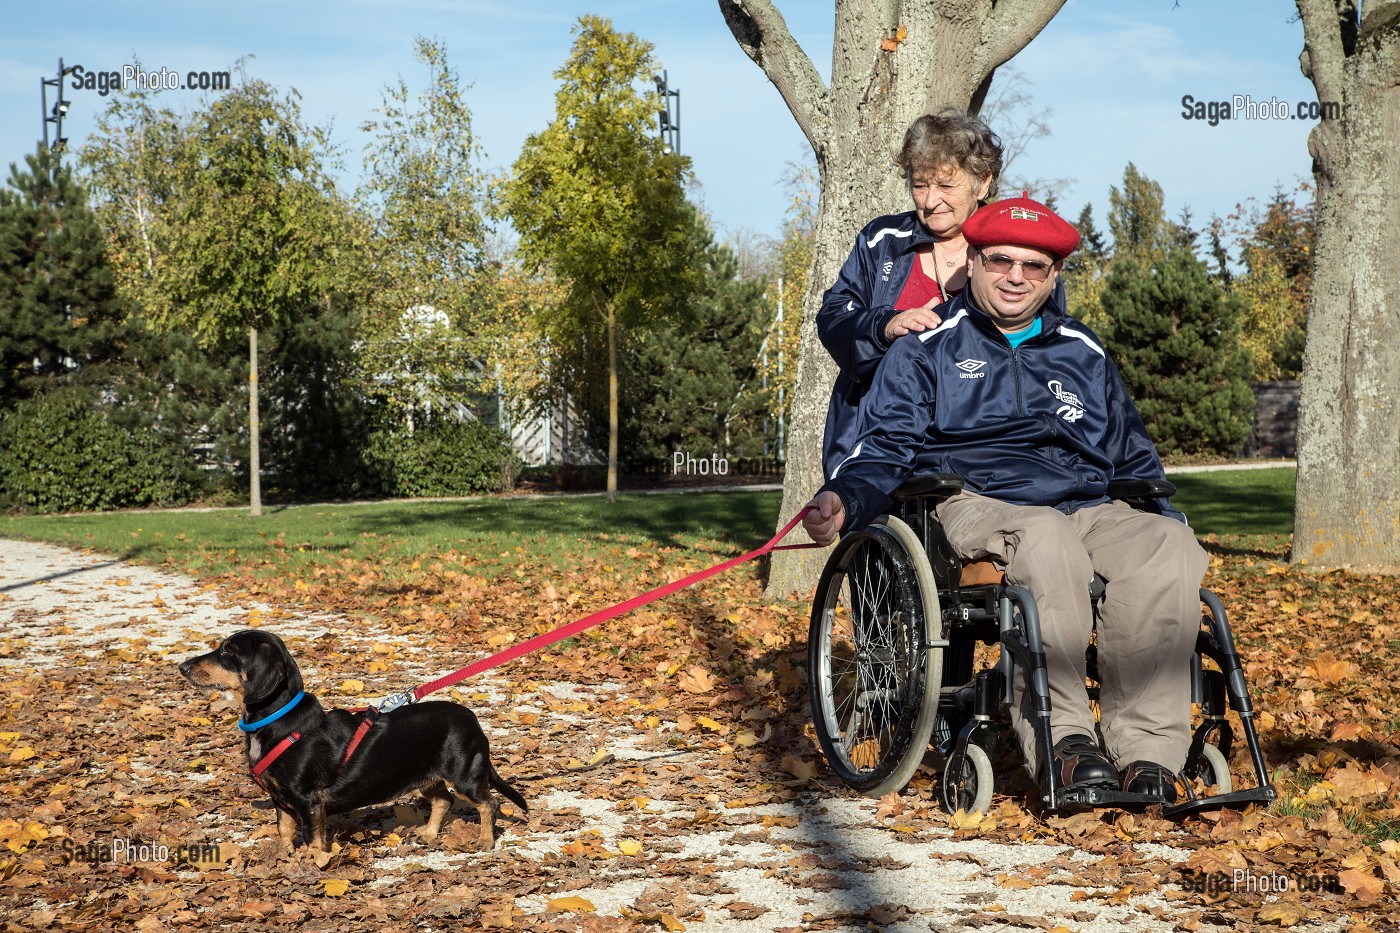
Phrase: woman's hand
[913,321]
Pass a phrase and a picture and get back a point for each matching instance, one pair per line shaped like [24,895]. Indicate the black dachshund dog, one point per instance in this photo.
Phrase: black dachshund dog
[306,772]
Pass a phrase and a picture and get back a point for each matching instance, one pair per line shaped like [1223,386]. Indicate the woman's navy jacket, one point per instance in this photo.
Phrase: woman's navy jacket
[1048,423]
[853,315]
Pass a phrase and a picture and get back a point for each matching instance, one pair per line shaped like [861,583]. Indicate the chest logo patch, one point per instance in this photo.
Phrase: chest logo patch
[1072,408]
[971,369]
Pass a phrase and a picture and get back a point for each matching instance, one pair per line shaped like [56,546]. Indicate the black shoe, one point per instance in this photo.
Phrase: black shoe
[1148,777]
[1079,760]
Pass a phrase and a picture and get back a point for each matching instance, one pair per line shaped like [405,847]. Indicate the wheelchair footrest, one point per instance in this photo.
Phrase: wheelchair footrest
[1091,796]
[1240,798]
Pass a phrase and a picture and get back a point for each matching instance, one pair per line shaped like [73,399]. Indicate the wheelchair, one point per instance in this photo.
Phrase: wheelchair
[896,623]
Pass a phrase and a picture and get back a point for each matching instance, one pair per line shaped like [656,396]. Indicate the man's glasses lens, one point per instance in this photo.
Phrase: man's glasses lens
[1033,269]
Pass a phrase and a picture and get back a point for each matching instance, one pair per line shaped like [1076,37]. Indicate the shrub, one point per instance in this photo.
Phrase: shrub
[445,458]
[1175,336]
[60,452]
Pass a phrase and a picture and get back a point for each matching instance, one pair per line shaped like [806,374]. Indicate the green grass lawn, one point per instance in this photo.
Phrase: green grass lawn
[1247,508]
[1246,511]
[555,529]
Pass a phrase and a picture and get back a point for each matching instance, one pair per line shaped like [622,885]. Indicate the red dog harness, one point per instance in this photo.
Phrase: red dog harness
[265,762]
[371,717]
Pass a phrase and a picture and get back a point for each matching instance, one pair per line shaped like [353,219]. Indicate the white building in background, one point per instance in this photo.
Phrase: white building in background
[555,436]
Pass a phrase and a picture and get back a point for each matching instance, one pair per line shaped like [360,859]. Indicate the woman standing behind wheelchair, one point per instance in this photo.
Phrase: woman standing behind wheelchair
[904,265]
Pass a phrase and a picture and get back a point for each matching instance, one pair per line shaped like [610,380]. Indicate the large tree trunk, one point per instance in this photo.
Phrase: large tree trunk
[254,429]
[1347,512]
[880,83]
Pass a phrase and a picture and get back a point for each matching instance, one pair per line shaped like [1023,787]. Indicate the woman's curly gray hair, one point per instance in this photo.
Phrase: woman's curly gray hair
[951,137]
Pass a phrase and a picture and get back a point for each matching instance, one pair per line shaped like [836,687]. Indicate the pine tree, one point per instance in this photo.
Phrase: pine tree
[1093,249]
[693,378]
[1219,253]
[1141,231]
[319,422]
[1175,336]
[1183,230]
[87,388]
[59,312]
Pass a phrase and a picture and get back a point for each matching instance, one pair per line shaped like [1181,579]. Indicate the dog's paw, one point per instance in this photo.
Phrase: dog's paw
[271,850]
[323,858]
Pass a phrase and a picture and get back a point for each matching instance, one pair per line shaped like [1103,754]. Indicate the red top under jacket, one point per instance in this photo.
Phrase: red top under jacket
[918,288]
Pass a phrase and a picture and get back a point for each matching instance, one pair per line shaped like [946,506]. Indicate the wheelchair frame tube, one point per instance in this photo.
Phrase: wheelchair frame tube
[1225,655]
[1029,652]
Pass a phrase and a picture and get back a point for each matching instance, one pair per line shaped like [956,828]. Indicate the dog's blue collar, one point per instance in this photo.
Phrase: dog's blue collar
[255,726]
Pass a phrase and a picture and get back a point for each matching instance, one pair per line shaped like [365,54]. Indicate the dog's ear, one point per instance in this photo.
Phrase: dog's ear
[272,667]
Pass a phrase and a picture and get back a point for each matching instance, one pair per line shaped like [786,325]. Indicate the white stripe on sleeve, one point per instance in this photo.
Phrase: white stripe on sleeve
[1080,335]
[887,231]
[855,453]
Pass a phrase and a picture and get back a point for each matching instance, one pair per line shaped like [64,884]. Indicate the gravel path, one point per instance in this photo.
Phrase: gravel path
[797,861]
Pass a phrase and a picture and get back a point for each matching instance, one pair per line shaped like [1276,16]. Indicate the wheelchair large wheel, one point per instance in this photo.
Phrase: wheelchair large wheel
[873,675]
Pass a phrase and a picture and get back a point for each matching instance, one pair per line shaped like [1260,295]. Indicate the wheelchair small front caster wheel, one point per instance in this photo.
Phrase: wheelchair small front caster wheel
[1214,769]
[967,781]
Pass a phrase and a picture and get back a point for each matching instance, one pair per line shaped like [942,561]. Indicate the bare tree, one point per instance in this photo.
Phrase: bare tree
[1011,111]
[1348,503]
[891,62]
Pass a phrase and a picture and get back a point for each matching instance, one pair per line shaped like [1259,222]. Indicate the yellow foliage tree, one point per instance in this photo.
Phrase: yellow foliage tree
[1273,310]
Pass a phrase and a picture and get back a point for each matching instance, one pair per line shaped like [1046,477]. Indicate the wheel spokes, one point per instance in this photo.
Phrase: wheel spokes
[869,659]
[869,669]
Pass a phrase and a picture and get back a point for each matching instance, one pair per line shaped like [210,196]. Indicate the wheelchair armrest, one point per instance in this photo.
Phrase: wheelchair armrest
[931,485]
[1140,490]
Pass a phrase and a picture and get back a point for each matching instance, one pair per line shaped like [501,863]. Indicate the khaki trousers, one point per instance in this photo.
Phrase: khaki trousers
[1148,620]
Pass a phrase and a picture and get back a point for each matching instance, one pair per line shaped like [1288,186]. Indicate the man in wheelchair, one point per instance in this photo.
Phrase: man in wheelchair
[1024,404]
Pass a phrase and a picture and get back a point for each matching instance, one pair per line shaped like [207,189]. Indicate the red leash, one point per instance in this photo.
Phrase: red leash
[589,621]
[394,701]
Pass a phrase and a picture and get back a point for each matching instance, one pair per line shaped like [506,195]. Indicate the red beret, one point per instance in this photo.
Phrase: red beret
[1021,222]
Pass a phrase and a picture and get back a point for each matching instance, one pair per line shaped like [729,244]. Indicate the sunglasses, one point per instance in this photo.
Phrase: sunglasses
[1033,269]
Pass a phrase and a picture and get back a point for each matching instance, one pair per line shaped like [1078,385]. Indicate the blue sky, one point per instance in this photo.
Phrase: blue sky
[1113,72]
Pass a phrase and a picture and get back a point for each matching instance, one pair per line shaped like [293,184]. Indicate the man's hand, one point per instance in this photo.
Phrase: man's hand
[826,518]
[915,320]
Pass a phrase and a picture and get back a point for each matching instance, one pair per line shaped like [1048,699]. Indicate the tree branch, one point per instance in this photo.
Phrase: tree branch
[1323,52]
[762,33]
[1011,26]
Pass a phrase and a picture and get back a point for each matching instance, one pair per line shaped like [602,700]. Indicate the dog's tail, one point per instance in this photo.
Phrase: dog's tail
[510,793]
